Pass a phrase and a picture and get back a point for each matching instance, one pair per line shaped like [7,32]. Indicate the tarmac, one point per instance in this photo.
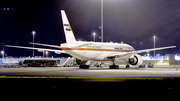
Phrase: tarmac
[92,72]
[102,84]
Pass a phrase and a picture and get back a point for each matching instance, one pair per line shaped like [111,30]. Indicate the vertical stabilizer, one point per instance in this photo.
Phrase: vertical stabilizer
[67,28]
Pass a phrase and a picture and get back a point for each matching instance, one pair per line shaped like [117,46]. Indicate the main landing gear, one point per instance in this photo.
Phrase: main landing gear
[114,66]
[128,66]
[83,66]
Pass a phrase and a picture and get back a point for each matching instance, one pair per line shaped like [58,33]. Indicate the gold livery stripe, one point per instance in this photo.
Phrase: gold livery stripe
[65,48]
[95,49]
[69,27]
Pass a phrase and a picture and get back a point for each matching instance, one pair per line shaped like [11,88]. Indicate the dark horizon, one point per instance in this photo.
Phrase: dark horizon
[134,22]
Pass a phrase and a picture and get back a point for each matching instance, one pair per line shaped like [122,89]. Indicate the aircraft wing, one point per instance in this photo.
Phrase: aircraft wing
[140,51]
[39,49]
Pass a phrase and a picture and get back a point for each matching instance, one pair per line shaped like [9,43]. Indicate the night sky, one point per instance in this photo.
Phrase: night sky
[134,22]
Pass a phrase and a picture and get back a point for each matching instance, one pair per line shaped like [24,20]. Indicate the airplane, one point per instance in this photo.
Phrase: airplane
[84,51]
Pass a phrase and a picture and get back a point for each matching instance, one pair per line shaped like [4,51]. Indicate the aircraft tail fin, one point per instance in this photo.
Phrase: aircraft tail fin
[67,28]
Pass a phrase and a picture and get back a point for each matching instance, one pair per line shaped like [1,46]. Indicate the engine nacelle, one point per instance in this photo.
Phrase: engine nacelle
[135,60]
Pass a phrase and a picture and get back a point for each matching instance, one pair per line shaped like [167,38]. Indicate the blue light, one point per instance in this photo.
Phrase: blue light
[177,57]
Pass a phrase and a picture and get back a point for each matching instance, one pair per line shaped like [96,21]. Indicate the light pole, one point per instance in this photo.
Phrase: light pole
[3,49]
[154,46]
[148,54]
[33,32]
[101,27]
[2,52]
[94,34]
[101,20]
[43,53]
[46,53]
[3,45]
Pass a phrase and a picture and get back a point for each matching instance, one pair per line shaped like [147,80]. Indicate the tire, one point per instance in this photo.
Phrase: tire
[143,66]
[127,66]
[84,67]
[150,66]
[113,67]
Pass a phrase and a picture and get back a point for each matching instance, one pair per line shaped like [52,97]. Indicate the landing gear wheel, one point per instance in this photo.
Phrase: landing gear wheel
[84,67]
[150,66]
[113,67]
[127,66]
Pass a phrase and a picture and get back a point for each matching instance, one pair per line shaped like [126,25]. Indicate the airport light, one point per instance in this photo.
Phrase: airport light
[46,53]
[3,45]
[2,52]
[94,34]
[33,32]
[147,54]
[3,49]
[161,61]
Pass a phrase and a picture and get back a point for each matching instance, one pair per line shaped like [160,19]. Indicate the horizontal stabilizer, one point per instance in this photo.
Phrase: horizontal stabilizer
[45,45]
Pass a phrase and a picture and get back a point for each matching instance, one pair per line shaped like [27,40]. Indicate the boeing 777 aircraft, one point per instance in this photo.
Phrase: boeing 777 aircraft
[95,51]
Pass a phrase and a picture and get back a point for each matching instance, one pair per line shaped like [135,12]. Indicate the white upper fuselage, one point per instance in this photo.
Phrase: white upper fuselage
[95,50]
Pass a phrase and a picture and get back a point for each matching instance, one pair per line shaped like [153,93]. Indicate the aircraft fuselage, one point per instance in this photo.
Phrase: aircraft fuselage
[96,50]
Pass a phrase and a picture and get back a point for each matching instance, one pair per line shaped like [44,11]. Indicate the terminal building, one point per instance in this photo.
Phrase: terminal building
[168,59]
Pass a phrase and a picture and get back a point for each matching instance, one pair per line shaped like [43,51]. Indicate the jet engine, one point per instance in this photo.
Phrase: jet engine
[80,62]
[135,60]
